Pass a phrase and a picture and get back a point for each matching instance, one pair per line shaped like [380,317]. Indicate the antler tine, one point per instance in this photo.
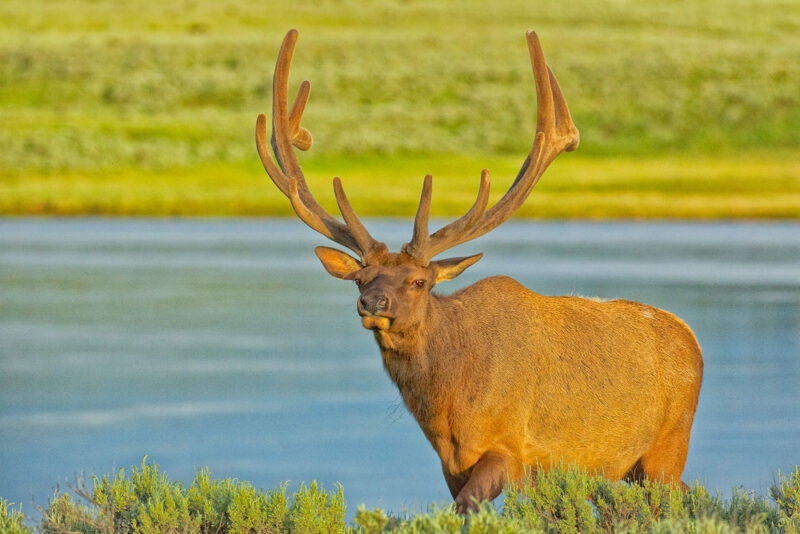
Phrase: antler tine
[563,118]
[545,112]
[301,138]
[441,239]
[282,143]
[555,133]
[280,179]
[285,169]
[336,232]
[419,239]
[357,229]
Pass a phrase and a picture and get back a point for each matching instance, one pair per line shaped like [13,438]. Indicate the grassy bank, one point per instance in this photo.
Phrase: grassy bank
[688,187]
[685,109]
[145,500]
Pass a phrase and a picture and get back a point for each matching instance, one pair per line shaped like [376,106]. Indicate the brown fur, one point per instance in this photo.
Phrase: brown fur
[499,377]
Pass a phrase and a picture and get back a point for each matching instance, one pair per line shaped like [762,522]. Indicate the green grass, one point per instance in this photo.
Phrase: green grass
[688,187]
[561,500]
[686,109]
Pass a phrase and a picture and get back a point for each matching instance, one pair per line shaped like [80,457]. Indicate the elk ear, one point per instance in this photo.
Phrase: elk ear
[337,263]
[452,267]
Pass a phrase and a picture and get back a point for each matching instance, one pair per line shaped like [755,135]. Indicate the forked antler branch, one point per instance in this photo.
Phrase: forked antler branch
[555,133]
[287,175]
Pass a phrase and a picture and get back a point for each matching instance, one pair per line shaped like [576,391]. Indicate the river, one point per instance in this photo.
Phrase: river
[223,343]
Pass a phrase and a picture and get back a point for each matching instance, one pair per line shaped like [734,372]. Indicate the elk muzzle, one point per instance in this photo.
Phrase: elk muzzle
[374,311]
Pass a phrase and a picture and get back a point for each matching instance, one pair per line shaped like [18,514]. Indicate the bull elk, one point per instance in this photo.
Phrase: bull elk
[497,376]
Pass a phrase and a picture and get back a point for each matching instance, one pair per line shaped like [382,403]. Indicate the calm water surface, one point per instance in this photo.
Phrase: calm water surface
[225,344]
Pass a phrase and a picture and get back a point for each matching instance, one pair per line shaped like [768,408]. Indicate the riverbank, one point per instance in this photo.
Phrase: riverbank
[749,186]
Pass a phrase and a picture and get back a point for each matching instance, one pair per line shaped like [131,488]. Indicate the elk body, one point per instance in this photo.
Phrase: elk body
[497,376]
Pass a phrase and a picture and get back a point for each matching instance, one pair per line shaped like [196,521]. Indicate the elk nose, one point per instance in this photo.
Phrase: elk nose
[374,303]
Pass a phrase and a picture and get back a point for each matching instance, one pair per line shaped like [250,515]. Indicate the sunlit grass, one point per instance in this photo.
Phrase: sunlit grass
[689,187]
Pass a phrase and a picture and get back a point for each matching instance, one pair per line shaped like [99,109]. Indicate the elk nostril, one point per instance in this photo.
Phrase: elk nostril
[374,303]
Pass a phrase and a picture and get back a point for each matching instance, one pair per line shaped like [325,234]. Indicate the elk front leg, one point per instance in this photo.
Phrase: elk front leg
[488,478]
[454,484]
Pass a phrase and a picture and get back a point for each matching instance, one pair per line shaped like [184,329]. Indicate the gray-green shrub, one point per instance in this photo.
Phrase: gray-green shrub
[562,500]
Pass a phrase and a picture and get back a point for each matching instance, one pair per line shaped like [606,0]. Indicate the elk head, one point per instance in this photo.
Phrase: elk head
[394,286]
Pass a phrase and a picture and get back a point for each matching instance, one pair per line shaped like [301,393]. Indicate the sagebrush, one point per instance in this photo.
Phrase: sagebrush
[561,500]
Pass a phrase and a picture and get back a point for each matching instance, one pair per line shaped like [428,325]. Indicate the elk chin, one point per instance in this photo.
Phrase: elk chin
[374,322]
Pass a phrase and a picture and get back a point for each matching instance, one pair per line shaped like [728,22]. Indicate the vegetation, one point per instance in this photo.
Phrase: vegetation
[686,109]
[561,500]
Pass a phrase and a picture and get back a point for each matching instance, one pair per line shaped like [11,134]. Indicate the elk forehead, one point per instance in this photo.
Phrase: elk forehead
[395,259]
[396,267]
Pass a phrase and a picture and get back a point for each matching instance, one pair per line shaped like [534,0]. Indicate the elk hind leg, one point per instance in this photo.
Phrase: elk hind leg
[665,459]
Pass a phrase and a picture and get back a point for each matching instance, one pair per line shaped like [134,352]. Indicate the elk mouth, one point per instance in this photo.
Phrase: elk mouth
[375,322]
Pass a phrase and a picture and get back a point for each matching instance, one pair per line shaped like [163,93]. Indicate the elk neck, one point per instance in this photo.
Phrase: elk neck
[423,360]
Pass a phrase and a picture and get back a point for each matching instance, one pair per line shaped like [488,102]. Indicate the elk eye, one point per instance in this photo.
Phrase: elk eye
[419,283]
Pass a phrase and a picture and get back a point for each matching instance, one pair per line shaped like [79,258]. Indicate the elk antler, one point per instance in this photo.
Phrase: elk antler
[555,133]
[287,175]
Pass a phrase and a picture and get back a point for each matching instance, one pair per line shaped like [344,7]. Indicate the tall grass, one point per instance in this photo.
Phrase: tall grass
[560,500]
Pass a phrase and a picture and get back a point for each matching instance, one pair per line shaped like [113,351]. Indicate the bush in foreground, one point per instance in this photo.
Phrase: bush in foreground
[144,500]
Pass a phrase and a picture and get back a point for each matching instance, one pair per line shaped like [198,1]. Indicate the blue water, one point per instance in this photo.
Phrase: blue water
[223,343]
